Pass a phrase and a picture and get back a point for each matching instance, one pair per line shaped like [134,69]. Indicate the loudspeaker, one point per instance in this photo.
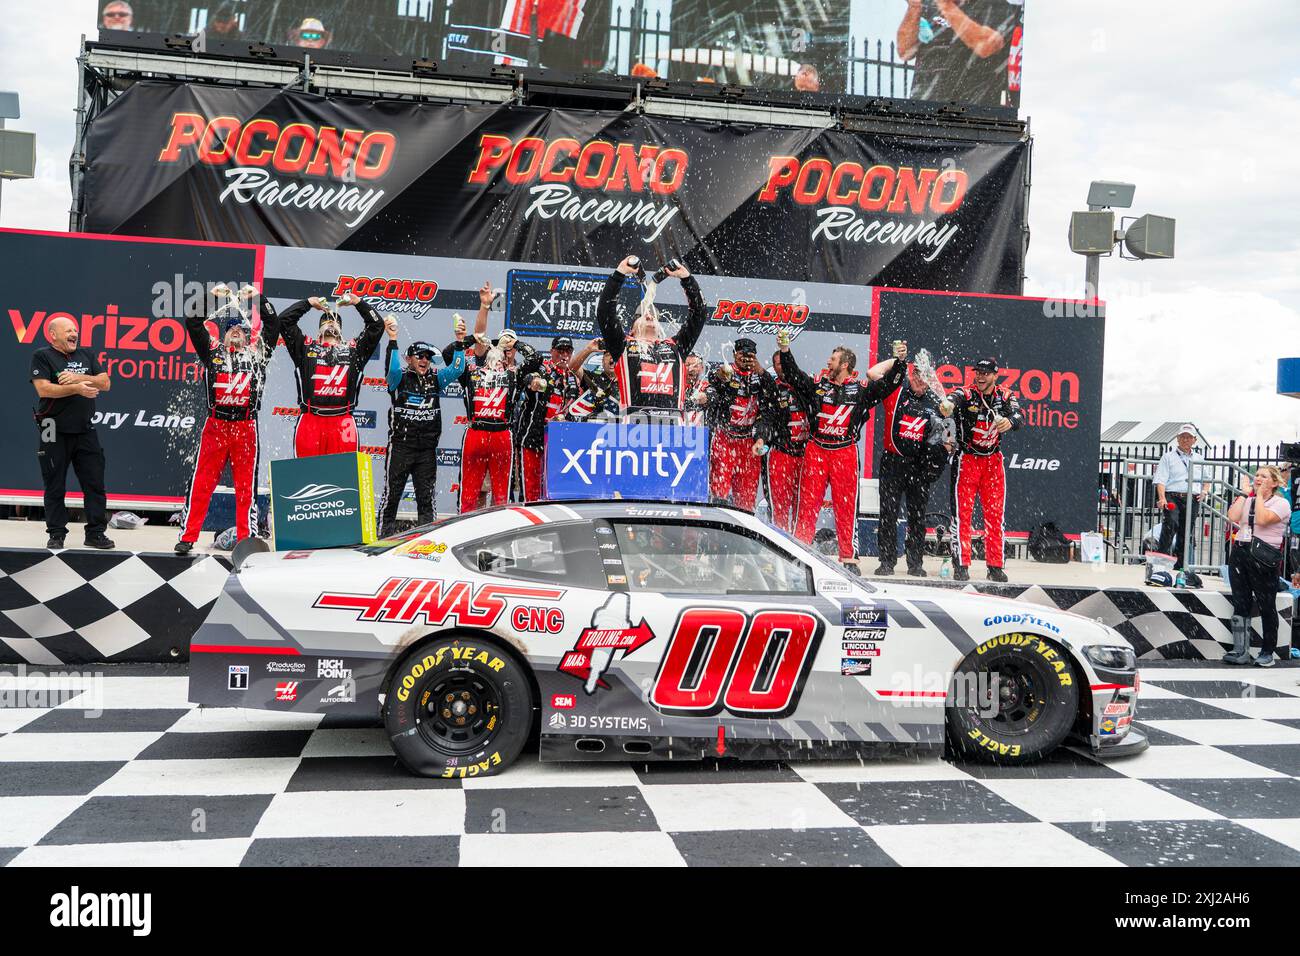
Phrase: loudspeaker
[1092,233]
[1151,237]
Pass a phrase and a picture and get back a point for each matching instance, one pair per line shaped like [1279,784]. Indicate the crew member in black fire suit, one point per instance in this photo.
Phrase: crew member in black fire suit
[736,393]
[414,423]
[649,367]
[913,456]
[548,394]
[329,371]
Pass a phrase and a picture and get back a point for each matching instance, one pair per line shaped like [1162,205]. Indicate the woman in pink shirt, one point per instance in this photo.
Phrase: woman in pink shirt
[1262,519]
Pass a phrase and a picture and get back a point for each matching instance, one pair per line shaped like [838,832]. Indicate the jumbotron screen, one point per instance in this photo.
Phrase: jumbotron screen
[962,51]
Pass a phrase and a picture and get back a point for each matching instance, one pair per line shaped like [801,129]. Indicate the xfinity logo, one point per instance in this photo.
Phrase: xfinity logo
[604,462]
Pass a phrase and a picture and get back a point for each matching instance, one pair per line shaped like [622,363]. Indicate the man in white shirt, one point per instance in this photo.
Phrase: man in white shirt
[1173,485]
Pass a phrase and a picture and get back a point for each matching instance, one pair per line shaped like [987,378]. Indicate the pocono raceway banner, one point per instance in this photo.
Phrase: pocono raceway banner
[582,187]
[128,297]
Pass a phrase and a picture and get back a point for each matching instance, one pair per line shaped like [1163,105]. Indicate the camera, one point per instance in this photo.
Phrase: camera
[1291,452]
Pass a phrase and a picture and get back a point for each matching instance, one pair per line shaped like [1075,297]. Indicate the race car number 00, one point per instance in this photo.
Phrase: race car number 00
[753,667]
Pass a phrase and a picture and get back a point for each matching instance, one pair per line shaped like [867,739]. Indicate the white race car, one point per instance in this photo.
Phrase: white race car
[620,630]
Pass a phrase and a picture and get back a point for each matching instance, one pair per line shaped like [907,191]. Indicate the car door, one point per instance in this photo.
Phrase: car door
[733,618]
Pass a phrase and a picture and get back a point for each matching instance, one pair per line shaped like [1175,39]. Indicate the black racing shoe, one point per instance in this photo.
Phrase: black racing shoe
[997,574]
[184,547]
[100,541]
[916,572]
[960,572]
[55,543]
[884,569]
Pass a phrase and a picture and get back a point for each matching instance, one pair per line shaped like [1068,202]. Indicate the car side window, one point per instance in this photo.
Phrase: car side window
[560,554]
[706,559]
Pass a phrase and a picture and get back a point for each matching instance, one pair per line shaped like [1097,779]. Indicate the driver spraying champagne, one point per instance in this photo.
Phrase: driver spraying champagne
[648,365]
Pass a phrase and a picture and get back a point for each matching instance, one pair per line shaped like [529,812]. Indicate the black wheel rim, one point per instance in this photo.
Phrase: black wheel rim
[459,711]
[1013,697]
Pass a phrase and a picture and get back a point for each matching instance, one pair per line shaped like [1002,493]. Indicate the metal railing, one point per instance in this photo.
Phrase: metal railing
[1127,515]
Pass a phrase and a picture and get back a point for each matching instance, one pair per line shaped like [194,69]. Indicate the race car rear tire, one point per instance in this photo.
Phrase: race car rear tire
[458,707]
[1025,713]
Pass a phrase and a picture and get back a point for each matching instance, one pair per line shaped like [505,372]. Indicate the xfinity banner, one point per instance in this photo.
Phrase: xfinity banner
[647,461]
[129,299]
[1050,355]
[579,187]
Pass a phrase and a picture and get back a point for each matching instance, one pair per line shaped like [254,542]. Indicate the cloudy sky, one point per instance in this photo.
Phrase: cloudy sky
[1197,103]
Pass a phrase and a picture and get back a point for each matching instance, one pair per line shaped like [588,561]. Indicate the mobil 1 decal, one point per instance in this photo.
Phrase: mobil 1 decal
[1049,352]
[750,664]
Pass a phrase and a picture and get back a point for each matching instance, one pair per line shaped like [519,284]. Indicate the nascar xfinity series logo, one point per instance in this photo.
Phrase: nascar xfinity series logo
[553,303]
[596,182]
[270,164]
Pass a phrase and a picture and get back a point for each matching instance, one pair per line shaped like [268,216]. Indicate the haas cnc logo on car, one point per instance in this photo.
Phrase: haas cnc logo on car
[402,600]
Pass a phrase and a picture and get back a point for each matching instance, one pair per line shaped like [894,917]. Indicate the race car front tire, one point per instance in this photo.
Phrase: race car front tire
[458,707]
[1013,700]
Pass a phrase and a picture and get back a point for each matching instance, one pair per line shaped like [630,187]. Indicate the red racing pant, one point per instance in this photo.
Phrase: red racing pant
[324,435]
[534,471]
[734,471]
[220,442]
[980,476]
[783,487]
[839,467]
[485,453]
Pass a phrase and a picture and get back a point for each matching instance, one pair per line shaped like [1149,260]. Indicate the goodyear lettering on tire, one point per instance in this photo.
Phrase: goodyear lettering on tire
[466,654]
[1035,643]
[473,769]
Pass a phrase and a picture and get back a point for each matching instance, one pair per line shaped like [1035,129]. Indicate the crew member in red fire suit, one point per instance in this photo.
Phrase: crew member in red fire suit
[491,385]
[784,427]
[648,366]
[329,373]
[736,393]
[913,456]
[540,406]
[984,413]
[841,403]
[235,375]
[414,424]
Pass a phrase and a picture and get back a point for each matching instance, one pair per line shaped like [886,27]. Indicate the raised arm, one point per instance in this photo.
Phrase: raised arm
[197,328]
[456,368]
[799,380]
[611,329]
[697,312]
[983,41]
[580,359]
[371,332]
[908,40]
[294,341]
[270,330]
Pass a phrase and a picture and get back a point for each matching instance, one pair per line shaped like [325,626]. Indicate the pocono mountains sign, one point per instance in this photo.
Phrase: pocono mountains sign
[580,187]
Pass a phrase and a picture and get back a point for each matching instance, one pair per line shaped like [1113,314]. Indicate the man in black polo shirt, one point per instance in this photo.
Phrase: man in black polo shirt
[67,380]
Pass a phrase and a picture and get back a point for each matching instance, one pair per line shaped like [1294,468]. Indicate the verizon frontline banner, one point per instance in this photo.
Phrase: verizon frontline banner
[129,299]
[1050,355]
[584,188]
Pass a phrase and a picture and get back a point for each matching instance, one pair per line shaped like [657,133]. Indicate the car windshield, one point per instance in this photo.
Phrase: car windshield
[824,559]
